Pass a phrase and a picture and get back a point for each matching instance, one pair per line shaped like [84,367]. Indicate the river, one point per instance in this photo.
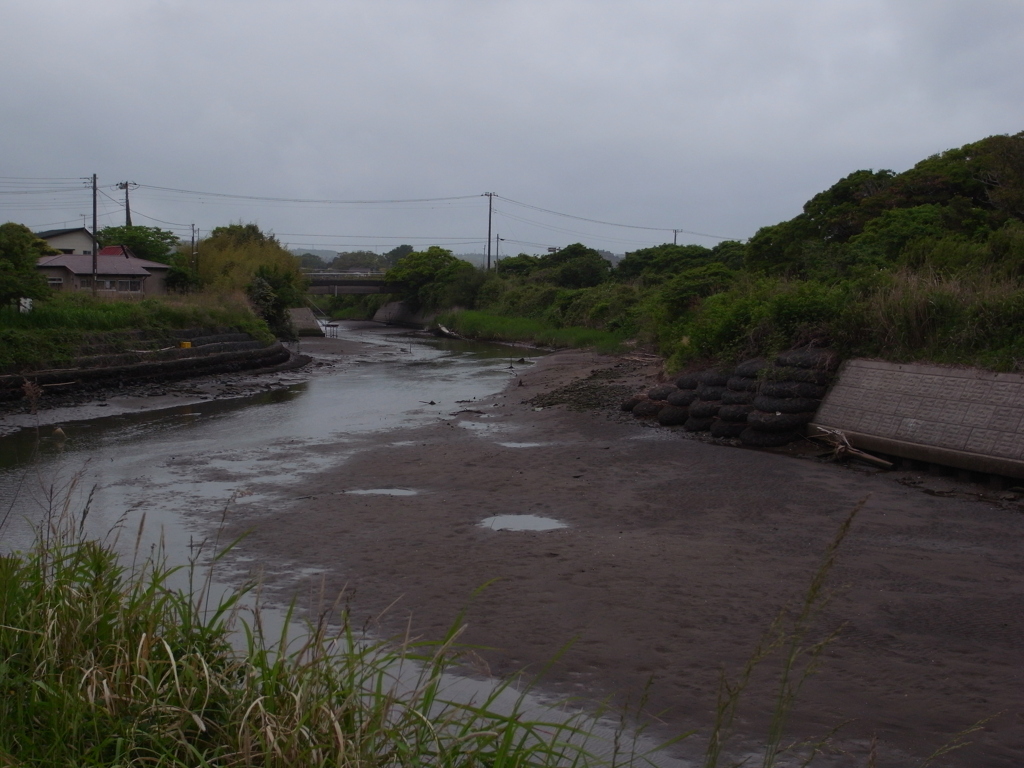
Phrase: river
[181,465]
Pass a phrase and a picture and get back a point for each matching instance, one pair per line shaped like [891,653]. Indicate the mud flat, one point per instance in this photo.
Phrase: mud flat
[676,555]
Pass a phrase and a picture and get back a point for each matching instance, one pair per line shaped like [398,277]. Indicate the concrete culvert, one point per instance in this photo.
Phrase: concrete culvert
[682,397]
[727,429]
[792,389]
[630,403]
[821,359]
[786,404]
[742,384]
[778,422]
[662,392]
[687,381]
[703,409]
[673,416]
[693,424]
[735,413]
[755,437]
[750,368]
[648,409]
[730,397]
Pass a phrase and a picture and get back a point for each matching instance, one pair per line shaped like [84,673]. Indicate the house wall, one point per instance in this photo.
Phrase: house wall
[76,242]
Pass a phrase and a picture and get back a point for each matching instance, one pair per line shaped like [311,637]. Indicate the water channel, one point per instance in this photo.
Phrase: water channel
[182,464]
[176,468]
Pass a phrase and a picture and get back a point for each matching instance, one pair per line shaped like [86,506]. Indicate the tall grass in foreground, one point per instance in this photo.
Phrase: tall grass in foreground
[487,327]
[107,664]
[104,664]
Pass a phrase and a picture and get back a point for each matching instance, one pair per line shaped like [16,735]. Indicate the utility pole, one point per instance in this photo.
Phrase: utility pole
[490,213]
[95,239]
[675,233]
[125,185]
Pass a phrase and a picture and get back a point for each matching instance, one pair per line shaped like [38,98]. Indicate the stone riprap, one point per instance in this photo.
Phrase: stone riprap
[960,417]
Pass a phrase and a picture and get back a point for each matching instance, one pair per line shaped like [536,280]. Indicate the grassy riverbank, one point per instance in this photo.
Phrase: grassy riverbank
[490,327]
[55,328]
[111,665]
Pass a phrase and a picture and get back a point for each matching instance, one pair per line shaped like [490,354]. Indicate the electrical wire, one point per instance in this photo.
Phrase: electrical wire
[614,224]
[304,200]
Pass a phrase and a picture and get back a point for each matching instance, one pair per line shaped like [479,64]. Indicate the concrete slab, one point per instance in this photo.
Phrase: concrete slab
[304,322]
[961,417]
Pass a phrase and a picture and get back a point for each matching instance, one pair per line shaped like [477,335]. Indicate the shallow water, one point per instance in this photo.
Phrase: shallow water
[521,523]
[184,465]
[180,469]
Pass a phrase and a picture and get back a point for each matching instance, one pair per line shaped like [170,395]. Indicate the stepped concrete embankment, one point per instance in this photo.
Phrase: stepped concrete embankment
[207,353]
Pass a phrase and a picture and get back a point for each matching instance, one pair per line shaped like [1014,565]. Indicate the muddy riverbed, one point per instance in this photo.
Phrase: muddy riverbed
[670,559]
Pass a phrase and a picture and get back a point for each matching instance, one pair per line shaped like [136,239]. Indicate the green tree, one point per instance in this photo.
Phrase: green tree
[520,265]
[434,278]
[575,266]
[661,260]
[145,242]
[392,257]
[231,256]
[312,261]
[20,249]
[358,260]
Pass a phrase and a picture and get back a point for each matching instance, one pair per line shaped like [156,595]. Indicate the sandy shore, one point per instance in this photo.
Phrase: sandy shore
[677,556]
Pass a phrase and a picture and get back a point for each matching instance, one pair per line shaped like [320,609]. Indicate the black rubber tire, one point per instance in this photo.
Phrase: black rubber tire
[630,403]
[682,397]
[778,422]
[713,378]
[730,397]
[735,413]
[648,409]
[662,392]
[705,409]
[786,404]
[687,381]
[750,368]
[806,375]
[726,429]
[673,416]
[693,424]
[742,384]
[820,359]
[710,392]
[754,437]
[792,389]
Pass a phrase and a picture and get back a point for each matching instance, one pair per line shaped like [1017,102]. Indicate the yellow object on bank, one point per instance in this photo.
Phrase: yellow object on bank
[185,344]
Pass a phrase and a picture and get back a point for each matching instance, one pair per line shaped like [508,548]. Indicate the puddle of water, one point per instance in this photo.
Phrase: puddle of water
[522,445]
[383,492]
[521,523]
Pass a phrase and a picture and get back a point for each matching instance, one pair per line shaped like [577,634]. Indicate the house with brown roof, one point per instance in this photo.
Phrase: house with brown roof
[77,240]
[119,273]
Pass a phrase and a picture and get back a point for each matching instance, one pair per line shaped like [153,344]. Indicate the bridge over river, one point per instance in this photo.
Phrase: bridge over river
[338,283]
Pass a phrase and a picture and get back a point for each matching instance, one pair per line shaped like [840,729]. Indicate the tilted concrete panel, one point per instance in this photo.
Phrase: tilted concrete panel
[961,417]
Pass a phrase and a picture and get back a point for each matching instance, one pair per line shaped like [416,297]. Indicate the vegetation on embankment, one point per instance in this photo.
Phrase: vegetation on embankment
[56,329]
[924,265]
[491,327]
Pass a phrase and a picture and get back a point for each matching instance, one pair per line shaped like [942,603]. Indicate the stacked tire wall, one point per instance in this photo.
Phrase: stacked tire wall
[762,403]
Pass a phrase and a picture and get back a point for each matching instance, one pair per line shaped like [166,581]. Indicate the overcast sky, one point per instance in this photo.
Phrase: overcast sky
[713,116]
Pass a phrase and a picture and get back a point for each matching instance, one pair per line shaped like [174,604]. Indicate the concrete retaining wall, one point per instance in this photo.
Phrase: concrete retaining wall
[960,417]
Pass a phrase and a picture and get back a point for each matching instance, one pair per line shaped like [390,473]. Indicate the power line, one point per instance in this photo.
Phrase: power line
[305,200]
[612,223]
